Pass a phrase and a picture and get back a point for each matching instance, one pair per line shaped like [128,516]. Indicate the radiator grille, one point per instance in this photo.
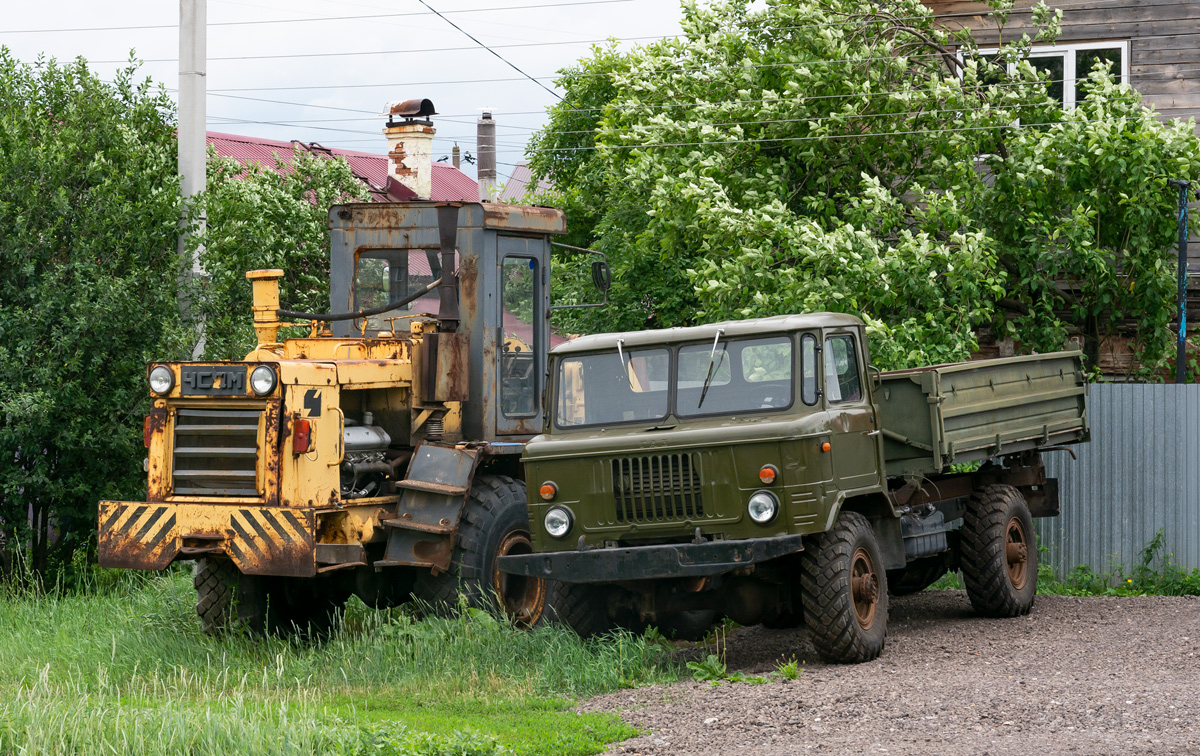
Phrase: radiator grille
[661,488]
[216,452]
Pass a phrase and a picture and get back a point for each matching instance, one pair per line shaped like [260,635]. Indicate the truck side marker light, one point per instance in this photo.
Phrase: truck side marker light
[301,436]
[767,474]
[825,446]
[548,491]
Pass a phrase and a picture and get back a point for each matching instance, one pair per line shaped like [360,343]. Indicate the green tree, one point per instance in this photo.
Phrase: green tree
[831,155]
[264,217]
[89,207]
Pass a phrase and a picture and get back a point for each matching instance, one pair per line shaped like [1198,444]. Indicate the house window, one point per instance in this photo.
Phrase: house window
[1066,65]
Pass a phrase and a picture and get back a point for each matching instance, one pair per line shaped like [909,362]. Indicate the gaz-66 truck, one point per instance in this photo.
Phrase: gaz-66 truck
[762,469]
[378,456]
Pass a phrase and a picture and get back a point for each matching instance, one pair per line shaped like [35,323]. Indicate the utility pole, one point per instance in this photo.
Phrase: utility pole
[192,135]
[1181,346]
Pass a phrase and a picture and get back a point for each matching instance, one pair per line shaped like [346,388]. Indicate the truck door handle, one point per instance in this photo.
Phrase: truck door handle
[872,434]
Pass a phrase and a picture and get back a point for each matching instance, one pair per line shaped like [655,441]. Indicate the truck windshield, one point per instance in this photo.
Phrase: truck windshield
[593,391]
[747,375]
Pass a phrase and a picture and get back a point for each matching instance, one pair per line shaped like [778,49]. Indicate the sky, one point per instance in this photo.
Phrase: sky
[337,99]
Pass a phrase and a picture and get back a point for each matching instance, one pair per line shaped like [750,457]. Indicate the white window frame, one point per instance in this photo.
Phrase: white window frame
[1068,51]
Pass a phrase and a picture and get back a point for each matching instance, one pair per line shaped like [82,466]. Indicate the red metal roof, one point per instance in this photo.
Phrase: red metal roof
[449,183]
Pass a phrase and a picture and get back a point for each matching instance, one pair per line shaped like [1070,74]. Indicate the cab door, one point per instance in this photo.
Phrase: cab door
[522,334]
[853,423]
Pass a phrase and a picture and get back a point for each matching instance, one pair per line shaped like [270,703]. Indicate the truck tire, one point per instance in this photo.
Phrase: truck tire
[844,591]
[228,600]
[917,575]
[495,522]
[588,609]
[999,556]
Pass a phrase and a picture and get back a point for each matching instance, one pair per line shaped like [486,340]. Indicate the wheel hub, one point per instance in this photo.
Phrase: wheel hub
[522,598]
[1016,553]
[864,588]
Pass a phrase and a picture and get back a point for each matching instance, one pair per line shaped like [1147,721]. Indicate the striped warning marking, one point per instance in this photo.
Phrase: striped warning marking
[272,542]
[136,535]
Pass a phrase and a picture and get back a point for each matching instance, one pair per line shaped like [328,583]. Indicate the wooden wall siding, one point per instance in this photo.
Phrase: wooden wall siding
[1164,38]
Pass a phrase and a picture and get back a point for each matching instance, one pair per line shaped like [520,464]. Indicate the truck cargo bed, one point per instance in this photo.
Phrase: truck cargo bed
[933,417]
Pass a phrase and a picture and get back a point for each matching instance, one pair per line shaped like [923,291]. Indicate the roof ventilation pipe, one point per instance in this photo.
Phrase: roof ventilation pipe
[485,153]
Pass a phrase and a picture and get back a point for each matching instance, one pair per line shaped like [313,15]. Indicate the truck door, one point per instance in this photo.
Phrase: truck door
[521,342]
[852,418]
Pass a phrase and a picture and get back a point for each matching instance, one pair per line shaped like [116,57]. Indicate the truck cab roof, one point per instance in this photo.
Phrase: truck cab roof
[731,328]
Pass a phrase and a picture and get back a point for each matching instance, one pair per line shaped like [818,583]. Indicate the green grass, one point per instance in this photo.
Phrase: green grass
[1156,575]
[126,670]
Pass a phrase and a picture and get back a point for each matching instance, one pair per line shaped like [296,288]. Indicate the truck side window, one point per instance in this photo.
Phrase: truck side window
[518,368]
[808,369]
[841,370]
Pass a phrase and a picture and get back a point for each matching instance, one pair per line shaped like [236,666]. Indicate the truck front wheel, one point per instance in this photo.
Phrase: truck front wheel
[999,556]
[495,522]
[844,591]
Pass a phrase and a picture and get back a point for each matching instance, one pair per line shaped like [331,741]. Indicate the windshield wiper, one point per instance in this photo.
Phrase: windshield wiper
[709,376]
[624,369]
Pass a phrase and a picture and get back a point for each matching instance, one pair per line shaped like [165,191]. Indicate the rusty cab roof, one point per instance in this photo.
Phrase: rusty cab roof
[732,328]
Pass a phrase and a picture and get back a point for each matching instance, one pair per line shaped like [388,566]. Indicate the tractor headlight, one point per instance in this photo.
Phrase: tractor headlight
[763,507]
[162,380]
[262,380]
[558,521]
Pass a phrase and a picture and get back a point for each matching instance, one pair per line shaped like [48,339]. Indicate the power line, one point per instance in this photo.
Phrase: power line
[306,20]
[509,63]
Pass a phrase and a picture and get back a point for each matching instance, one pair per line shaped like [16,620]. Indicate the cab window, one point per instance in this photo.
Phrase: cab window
[612,387]
[842,382]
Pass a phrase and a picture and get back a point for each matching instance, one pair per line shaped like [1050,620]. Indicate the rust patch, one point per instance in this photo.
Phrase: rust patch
[544,220]
[435,553]
[273,541]
[137,535]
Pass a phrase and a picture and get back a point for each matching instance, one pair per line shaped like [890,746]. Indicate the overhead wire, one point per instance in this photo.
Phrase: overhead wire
[373,16]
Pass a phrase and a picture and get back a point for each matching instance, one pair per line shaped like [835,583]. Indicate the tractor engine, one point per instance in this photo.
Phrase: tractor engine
[365,469]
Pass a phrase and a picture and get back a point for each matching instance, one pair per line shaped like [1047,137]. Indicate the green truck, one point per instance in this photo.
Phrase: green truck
[765,471]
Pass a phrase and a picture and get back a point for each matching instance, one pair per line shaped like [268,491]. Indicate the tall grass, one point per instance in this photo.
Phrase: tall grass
[124,669]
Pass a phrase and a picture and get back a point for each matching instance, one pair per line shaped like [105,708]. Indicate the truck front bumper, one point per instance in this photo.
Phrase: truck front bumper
[650,562]
[260,540]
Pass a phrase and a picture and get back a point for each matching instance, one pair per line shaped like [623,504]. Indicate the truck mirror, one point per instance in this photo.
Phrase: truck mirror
[601,275]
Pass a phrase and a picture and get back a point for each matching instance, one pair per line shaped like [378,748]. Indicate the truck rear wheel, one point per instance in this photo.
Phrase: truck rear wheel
[495,522]
[999,556]
[844,591]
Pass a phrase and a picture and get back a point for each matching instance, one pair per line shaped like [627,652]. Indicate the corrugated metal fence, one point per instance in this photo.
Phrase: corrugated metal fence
[1140,474]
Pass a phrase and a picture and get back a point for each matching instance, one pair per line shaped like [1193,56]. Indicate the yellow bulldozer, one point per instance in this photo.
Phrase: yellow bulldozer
[379,455]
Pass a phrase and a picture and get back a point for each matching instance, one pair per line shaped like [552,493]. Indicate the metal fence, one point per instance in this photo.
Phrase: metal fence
[1140,474]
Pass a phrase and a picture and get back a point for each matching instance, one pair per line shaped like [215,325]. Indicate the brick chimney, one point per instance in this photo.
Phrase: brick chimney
[410,145]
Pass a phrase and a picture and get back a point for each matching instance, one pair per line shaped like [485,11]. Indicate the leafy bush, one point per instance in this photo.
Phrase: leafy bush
[89,209]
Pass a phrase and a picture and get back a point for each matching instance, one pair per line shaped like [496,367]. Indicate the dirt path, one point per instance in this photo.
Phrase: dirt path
[1078,676]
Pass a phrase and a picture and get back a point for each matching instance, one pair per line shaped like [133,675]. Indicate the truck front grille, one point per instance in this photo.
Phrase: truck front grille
[216,452]
[661,488]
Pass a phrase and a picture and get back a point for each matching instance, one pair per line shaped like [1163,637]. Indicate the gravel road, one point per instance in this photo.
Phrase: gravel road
[1078,676]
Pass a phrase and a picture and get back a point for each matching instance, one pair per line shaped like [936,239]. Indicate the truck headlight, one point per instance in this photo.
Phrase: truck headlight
[558,521]
[262,380]
[162,380]
[763,507]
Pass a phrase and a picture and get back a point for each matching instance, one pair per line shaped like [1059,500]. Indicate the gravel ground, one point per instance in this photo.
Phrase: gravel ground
[1078,676]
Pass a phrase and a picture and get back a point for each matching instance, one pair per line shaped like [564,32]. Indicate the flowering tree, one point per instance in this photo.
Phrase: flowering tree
[852,156]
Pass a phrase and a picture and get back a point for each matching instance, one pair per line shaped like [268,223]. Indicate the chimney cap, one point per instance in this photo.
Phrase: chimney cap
[419,108]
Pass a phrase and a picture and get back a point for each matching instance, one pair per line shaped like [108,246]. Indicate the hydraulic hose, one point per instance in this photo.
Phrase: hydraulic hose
[361,313]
